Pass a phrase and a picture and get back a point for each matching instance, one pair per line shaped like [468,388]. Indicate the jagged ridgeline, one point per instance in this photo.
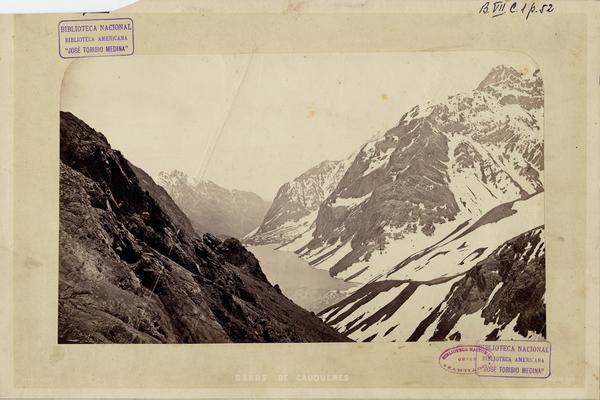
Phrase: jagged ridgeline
[441,218]
[212,208]
[133,270]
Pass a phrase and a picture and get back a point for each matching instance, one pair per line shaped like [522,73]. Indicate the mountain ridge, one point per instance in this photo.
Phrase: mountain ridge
[294,207]
[442,163]
[133,270]
[432,204]
[213,208]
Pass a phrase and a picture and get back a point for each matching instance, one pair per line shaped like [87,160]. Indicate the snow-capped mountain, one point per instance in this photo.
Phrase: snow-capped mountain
[440,166]
[212,208]
[442,219]
[296,203]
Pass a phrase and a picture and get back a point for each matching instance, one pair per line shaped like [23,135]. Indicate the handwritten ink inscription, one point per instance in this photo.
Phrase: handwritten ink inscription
[498,8]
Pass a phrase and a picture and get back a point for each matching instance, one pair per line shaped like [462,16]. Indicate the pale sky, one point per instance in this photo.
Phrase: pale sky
[254,122]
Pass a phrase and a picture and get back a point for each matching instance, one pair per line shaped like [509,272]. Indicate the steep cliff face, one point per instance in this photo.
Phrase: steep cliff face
[296,203]
[441,165]
[212,208]
[132,269]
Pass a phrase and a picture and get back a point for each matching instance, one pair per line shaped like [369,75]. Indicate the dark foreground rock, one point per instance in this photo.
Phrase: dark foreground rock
[132,269]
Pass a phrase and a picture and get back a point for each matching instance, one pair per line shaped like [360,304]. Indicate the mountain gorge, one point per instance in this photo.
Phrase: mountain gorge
[212,208]
[441,220]
[132,269]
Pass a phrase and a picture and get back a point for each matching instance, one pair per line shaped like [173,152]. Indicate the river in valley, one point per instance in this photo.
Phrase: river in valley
[310,288]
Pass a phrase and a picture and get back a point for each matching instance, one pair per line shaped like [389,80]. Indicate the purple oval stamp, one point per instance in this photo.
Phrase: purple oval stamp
[466,359]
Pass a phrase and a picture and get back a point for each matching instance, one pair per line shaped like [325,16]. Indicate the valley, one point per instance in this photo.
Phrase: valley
[431,230]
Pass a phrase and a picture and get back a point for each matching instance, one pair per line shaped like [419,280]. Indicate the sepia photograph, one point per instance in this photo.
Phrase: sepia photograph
[284,198]
[300,199]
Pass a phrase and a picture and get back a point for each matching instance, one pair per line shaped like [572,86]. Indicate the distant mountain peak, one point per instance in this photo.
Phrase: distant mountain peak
[499,74]
[296,203]
[510,77]
[212,208]
[175,177]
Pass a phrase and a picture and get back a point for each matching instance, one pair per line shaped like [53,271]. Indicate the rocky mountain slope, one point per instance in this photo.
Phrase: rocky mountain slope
[441,219]
[212,208]
[132,269]
[441,165]
[296,203]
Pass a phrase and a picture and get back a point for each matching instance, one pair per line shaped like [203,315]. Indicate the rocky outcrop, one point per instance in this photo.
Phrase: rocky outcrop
[212,208]
[132,269]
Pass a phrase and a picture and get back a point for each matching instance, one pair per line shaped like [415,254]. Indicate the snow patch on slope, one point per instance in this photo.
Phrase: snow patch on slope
[350,202]
[409,315]
[458,254]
